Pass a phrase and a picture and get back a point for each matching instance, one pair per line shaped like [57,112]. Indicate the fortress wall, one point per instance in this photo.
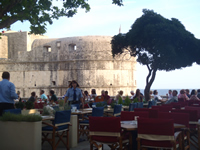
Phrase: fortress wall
[91,64]
[3,46]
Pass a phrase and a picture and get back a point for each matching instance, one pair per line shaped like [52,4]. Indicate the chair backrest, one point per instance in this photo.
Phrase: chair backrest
[193,108]
[127,116]
[164,115]
[99,99]
[132,106]
[13,111]
[97,112]
[141,109]
[117,110]
[193,115]
[175,105]
[163,108]
[104,126]
[140,104]
[180,118]
[155,132]
[62,118]
[75,105]
[153,113]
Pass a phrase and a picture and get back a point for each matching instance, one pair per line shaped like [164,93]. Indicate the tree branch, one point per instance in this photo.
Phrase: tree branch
[149,74]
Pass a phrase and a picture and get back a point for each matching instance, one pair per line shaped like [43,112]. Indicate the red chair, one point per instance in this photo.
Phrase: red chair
[106,130]
[175,105]
[163,108]
[153,113]
[127,115]
[193,108]
[157,133]
[183,104]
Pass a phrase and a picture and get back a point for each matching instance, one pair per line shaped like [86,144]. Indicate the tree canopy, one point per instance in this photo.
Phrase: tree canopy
[158,43]
[39,12]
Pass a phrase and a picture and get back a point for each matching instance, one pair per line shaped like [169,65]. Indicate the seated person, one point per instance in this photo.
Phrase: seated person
[169,95]
[187,92]
[33,97]
[173,99]
[103,93]
[93,94]
[106,97]
[43,96]
[198,93]
[138,96]
[120,93]
[132,95]
[183,94]
[156,96]
[193,95]
[53,96]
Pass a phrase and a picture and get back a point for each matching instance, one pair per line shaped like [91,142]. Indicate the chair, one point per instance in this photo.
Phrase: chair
[159,134]
[128,116]
[153,113]
[140,104]
[60,128]
[12,111]
[132,106]
[193,108]
[175,105]
[99,99]
[84,124]
[117,110]
[163,108]
[106,130]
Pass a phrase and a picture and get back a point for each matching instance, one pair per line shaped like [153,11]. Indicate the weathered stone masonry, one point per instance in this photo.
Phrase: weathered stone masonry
[37,62]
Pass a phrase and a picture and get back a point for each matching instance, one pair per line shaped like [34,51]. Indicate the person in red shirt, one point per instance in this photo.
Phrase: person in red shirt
[106,96]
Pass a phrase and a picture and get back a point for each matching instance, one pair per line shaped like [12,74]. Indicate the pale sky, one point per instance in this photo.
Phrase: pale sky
[105,18]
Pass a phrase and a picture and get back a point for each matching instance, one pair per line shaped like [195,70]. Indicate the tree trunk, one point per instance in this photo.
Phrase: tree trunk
[149,81]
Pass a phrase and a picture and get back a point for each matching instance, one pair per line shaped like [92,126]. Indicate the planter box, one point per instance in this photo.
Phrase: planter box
[30,111]
[20,135]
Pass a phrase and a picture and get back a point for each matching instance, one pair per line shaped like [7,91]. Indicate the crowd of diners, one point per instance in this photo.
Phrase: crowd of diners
[84,96]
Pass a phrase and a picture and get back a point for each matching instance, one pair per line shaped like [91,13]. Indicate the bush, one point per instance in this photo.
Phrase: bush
[19,105]
[20,117]
[127,101]
[29,105]
[120,101]
[61,103]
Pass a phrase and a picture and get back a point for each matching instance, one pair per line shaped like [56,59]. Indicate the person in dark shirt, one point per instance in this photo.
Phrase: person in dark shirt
[32,98]
[53,96]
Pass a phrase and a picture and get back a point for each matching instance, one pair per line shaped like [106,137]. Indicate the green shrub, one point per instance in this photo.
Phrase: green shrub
[29,105]
[101,104]
[61,103]
[113,104]
[127,101]
[19,105]
[67,106]
[20,117]
[120,101]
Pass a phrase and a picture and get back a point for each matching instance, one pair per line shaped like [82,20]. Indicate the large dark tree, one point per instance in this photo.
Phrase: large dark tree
[158,43]
[39,12]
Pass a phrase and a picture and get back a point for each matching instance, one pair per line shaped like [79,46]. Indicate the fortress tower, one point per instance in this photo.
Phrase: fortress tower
[38,62]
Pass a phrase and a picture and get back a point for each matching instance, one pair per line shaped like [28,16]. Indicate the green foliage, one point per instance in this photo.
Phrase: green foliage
[67,106]
[61,103]
[19,105]
[20,117]
[39,12]
[29,105]
[45,111]
[158,43]
[100,104]
[120,101]
[127,101]
[135,100]
[113,104]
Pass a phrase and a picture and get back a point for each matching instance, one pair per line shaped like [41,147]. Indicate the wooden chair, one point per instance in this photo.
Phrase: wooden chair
[128,116]
[106,130]
[99,99]
[159,134]
[59,128]
[84,124]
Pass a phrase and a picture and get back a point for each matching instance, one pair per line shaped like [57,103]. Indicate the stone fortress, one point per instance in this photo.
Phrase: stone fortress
[37,62]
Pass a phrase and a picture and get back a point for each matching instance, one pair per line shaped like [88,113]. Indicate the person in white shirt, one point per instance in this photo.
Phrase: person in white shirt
[156,96]
[169,95]
[132,94]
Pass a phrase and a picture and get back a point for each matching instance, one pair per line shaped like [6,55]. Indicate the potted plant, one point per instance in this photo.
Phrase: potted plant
[20,131]
[19,105]
[30,108]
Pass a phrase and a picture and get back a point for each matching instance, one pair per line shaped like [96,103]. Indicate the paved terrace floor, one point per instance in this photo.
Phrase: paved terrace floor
[84,145]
